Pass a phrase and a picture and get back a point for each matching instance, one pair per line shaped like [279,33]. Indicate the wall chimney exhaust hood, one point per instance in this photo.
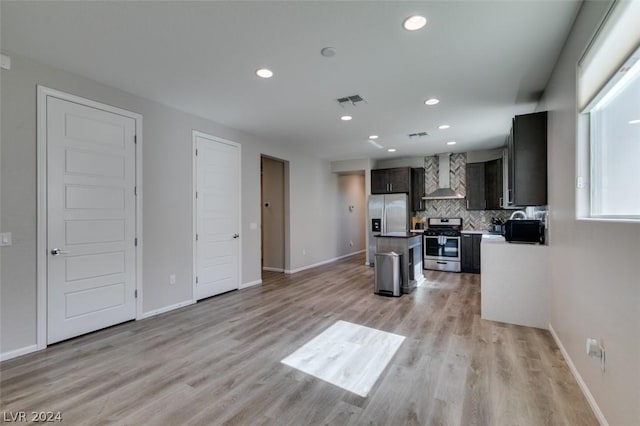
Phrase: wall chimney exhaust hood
[444,191]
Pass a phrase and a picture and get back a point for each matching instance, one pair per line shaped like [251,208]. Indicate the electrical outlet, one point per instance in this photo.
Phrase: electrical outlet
[595,349]
[172,279]
[350,243]
[304,252]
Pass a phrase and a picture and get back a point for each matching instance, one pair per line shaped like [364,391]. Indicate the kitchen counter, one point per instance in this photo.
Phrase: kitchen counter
[409,245]
[398,235]
[514,282]
[476,231]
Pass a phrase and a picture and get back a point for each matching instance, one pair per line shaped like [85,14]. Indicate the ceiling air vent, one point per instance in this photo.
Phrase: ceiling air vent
[353,100]
[418,135]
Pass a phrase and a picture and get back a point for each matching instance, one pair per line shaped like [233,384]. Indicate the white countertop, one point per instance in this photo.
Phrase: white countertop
[493,239]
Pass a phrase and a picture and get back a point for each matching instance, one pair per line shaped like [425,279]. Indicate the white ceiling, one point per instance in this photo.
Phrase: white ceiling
[485,60]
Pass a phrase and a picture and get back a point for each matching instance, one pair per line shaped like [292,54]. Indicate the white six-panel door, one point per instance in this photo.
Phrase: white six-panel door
[91,259]
[217,246]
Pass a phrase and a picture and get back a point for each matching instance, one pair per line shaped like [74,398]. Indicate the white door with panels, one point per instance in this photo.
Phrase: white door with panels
[91,218]
[217,216]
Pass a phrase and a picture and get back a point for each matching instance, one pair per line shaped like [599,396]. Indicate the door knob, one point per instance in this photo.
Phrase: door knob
[236,235]
[57,251]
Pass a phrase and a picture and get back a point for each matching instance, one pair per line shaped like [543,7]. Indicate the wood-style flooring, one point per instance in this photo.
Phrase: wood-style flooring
[218,362]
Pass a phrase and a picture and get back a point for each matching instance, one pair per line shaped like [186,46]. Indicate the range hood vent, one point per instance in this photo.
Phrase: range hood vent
[444,191]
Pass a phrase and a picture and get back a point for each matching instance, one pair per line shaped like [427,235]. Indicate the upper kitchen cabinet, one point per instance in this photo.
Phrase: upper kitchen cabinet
[493,184]
[390,181]
[417,189]
[527,158]
[476,199]
[484,185]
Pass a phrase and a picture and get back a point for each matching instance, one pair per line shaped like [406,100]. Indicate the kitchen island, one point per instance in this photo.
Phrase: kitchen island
[409,245]
[514,282]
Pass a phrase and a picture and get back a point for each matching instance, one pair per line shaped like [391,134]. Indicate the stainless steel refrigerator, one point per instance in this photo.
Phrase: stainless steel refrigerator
[387,213]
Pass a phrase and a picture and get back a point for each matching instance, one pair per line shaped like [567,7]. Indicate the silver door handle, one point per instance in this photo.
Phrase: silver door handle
[57,251]
[236,235]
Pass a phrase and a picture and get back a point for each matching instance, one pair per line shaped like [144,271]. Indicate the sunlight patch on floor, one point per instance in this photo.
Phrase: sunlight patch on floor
[347,355]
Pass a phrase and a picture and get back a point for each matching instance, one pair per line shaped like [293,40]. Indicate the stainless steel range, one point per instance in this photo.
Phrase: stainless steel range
[442,244]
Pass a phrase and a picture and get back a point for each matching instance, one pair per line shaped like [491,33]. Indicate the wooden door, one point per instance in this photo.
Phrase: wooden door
[217,249]
[91,262]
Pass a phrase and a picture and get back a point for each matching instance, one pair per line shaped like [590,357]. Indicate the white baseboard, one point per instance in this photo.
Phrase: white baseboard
[269,268]
[166,309]
[251,283]
[583,386]
[18,352]
[324,262]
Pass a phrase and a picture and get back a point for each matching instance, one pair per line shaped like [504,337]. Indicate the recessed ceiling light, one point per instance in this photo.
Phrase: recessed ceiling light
[443,126]
[391,150]
[634,122]
[415,22]
[373,137]
[346,118]
[432,101]
[264,73]
[451,143]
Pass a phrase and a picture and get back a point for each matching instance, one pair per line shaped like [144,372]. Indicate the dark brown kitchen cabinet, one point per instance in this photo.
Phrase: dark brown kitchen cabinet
[528,160]
[470,253]
[476,199]
[391,181]
[417,189]
[493,184]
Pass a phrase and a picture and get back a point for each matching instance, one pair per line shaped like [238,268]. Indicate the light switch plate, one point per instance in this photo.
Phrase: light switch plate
[5,239]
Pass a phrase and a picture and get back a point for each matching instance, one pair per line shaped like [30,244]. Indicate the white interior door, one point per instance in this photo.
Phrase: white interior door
[91,270]
[217,216]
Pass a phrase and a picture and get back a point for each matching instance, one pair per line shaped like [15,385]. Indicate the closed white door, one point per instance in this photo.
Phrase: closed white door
[91,275]
[217,216]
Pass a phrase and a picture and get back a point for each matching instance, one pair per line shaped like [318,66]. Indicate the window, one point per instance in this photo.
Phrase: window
[615,146]
[608,167]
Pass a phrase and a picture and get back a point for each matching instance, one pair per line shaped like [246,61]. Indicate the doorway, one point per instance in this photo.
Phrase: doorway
[88,216]
[273,201]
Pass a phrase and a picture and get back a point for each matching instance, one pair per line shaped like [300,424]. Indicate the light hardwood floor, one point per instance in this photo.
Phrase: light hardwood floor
[218,362]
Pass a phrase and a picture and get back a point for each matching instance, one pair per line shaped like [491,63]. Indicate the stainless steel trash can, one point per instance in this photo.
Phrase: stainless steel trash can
[387,274]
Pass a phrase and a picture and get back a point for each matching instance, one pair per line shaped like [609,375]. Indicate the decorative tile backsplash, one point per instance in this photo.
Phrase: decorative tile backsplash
[471,219]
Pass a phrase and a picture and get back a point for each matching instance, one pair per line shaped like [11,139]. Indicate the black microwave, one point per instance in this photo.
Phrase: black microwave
[524,231]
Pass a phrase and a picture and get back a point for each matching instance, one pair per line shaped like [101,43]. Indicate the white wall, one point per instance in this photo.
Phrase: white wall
[595,266]
[167,195]
[351,222]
